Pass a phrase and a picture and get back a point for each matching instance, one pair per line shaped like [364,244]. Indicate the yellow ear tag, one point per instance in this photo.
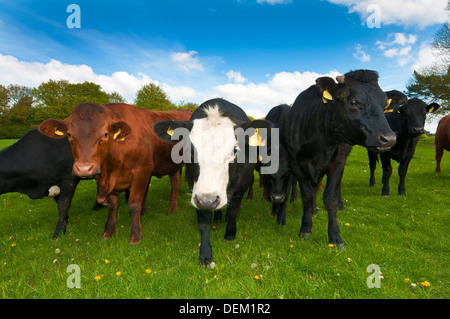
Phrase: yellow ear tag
[169,131]
[431,110]
[260,158]
[255,139]
[388,111]
[58,132]
[326,96]
[117,134]
[388,103]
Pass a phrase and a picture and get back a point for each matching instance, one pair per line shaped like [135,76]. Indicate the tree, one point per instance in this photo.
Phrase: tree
[56,99]
[152,97]
[433,82]
[4,101]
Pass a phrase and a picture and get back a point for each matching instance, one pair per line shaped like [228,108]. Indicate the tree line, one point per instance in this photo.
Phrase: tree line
[22,108]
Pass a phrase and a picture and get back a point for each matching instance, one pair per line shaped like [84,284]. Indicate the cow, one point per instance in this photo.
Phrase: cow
[39,166]
[116,144]
[442,140]
[277,186]
[218,169]
[322,118]
[407,121]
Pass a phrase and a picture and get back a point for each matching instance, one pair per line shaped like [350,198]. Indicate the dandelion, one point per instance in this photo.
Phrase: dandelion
[10,237]
[347,224]
[331,245]
[256,277]
[97,278]
[118,273]
[292,246]
[425,284]
[407,280]
[57,251]
[106,261]
[237,246]
[12,245]
[148,271]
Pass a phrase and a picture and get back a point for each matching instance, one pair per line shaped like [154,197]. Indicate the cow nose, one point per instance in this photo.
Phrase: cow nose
[417,130]
[387,140]
[277,198]
[84,169]
[208,201]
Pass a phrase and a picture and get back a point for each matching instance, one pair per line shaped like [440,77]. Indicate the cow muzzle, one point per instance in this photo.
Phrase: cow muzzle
[277,198]
[86,170]
[384,142]
[207,201]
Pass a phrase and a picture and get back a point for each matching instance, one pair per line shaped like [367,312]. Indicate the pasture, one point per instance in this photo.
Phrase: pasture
[406,237]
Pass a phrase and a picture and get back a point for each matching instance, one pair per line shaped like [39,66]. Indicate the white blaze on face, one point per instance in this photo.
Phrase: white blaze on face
[215,142]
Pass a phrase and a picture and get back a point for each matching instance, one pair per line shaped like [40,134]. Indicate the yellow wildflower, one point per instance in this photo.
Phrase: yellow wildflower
[256,277]
[331,245]
[97,278]
[12,245]
[346,224]
[148,271]
[407,280]
[425,284]
[118,273]
[106,261]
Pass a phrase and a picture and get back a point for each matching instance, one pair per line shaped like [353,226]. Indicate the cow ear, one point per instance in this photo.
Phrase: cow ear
[257,139]
[397,98]
[120,130]
[53,128]
[433,107]
[326,85]
[166,130]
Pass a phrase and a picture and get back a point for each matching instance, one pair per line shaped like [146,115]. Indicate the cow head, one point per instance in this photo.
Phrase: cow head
[413,114]
[211,143]
[358,104]
[90,132]
[278,184]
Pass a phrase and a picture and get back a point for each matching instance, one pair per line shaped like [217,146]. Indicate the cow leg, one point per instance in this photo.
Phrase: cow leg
[250,188]
[373,165]
[281,214]
[402,170]
[439,154]
[175,180]
[308,200]
[331,200]
[204,219]
[294,193]
[387,172]
[64,199]
[232,211]
[110,227]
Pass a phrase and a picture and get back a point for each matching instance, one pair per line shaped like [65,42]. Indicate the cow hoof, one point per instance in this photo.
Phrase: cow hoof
[304,235]
[204,261]
[230,237]
[338,246]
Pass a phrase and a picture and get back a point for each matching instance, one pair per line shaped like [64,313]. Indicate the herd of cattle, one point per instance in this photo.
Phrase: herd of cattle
[123,146]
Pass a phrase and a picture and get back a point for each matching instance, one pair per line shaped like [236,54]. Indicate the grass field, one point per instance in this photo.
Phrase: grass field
[406,237]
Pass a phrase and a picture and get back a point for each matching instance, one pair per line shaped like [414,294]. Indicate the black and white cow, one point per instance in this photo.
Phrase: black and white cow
[217,172]
[407,121]
[40,166]
[322,118]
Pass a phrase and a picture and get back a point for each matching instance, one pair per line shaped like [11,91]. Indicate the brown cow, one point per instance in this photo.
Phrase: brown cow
[116,144]
[442,140]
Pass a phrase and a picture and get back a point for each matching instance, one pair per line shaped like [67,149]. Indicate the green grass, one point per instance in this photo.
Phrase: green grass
[407,237]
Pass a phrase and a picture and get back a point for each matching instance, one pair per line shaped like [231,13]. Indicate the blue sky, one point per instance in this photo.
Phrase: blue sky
[256,53]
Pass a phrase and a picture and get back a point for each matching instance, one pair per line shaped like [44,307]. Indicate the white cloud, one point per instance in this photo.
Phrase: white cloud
[186,61]
[236,77]
[427,57]
[360,54]
[398,46]
[32,74]
[420,13]
[272,2]
[282,87]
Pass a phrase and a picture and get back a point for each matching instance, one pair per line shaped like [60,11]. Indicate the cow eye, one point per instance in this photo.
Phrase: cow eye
[106,134]
[68,134]
[353,103]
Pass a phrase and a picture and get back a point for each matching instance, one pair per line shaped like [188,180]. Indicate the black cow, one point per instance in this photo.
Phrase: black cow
[278,185]
[407,121]
[322,118]
[216,171]
[40,166]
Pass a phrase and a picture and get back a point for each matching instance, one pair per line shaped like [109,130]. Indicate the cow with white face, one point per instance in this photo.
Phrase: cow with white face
[218,161]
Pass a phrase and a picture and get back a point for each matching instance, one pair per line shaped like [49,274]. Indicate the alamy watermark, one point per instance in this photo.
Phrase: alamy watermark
[74,19]
[257,137]
[374,280]
[374,18]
